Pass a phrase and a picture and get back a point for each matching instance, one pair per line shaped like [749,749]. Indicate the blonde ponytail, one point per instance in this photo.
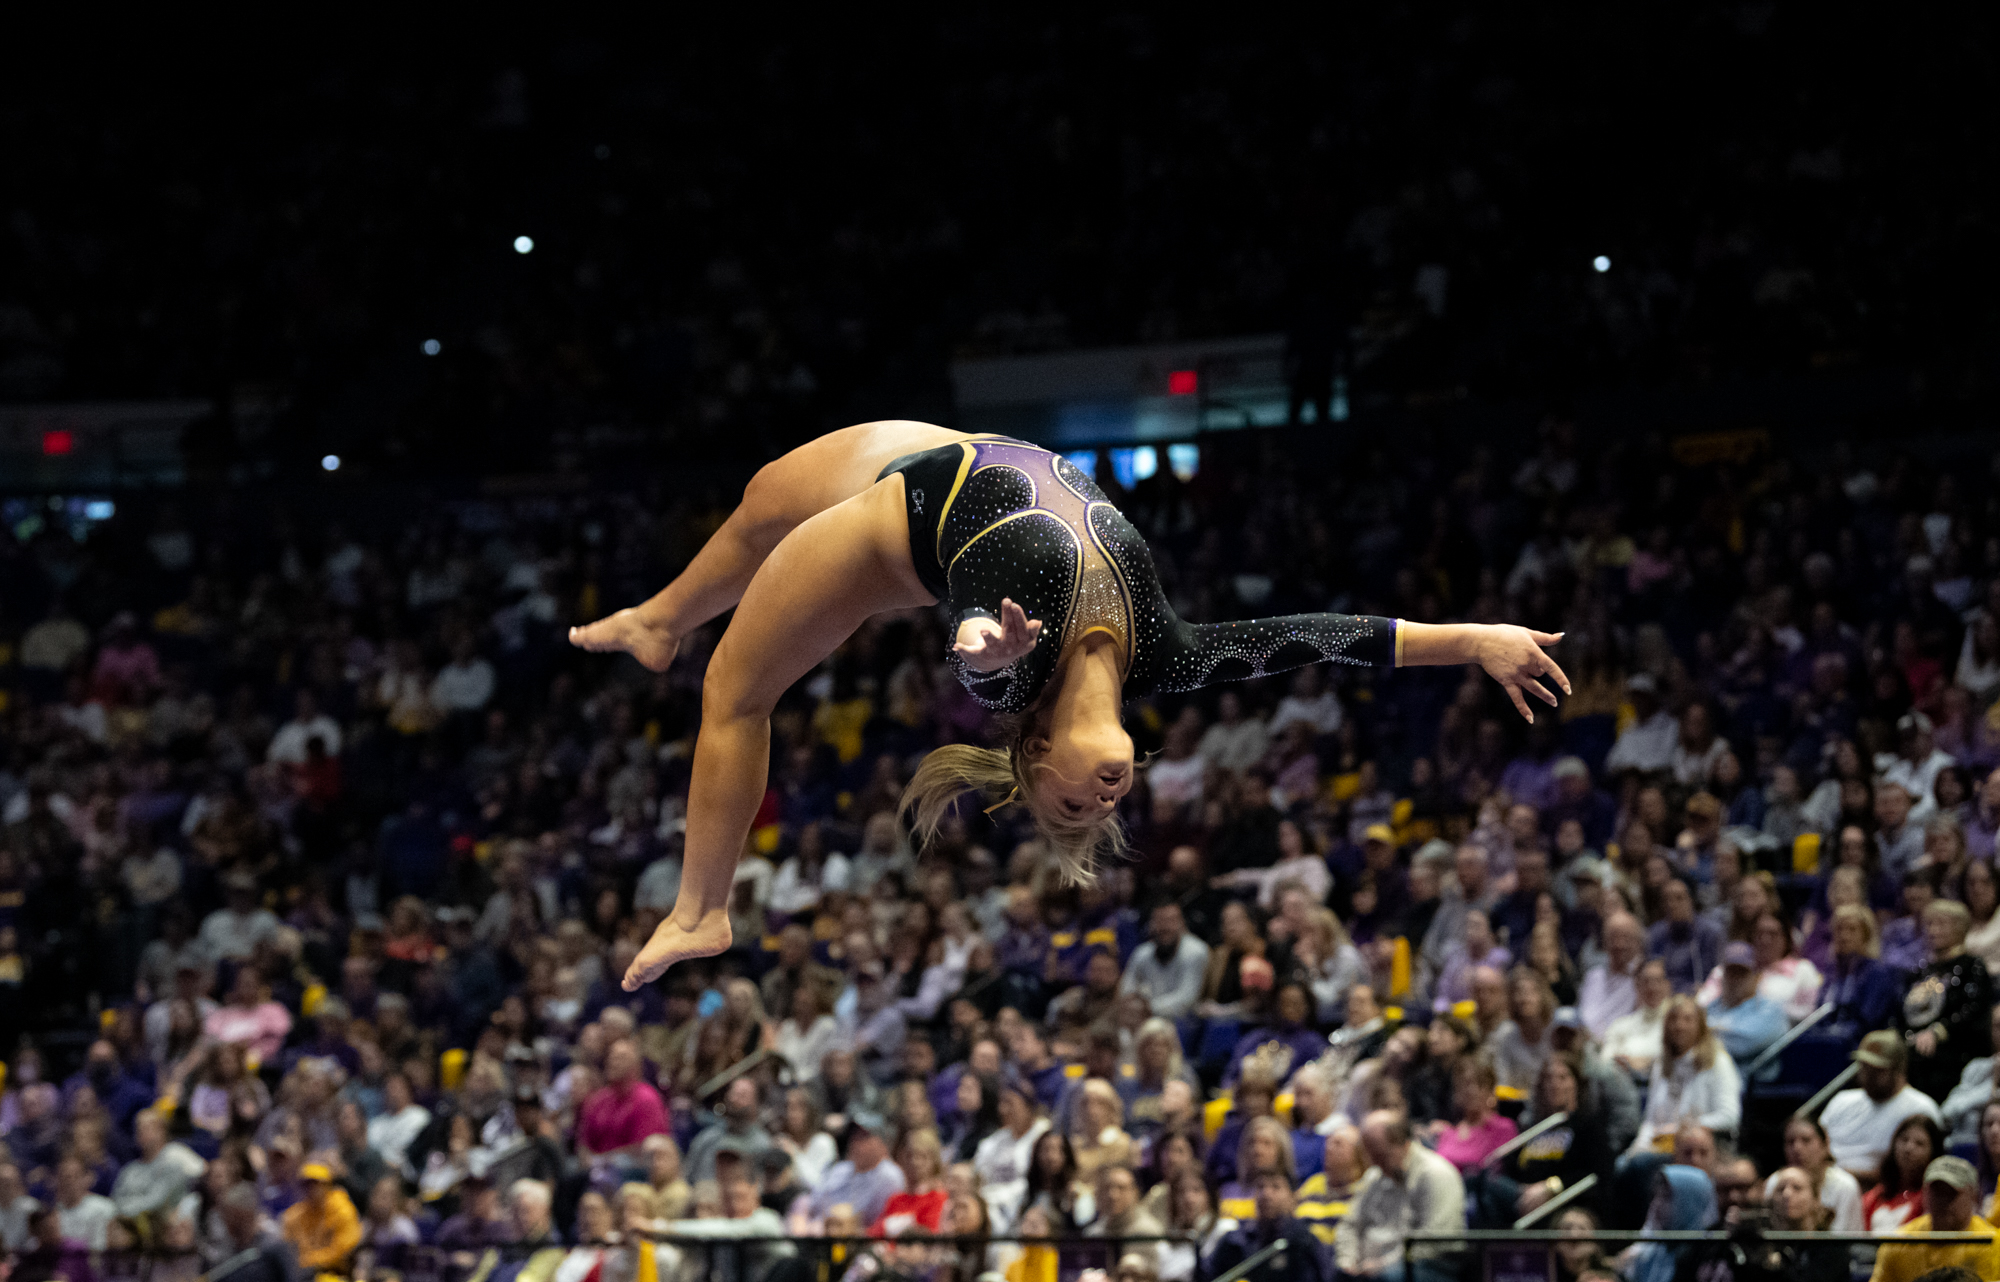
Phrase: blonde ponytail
[946,773]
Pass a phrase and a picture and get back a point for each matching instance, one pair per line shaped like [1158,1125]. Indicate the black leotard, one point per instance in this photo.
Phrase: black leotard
[993,517]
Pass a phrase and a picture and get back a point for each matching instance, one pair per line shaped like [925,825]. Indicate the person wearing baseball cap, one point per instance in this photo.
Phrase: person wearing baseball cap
[1951,1193]
[865,1179]
[1862,1120]
[323,1226]
[1745,1019]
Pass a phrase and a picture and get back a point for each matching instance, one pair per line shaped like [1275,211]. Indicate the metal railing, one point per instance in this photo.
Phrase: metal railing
[1255,1262]
[741,1257]
[1529,1237]
[1522,1140]
[1556,1203]
[746,1257]
[1812,1106]
[1777,1048]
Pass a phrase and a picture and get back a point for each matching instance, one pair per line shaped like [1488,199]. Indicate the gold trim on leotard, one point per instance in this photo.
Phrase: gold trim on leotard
[1124,587]
[966,453]
[1400,629]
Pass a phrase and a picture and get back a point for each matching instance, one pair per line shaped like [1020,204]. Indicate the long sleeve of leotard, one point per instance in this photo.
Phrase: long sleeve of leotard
[1192,655]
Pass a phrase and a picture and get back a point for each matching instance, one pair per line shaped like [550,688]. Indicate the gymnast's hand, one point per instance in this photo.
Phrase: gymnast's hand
[988,646]
[1513,656]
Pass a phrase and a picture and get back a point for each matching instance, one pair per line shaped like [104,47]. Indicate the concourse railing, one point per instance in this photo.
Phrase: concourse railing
[1517,1253]
[1523,1254]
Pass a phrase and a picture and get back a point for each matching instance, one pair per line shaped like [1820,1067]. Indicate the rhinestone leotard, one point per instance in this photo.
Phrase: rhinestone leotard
[993,517]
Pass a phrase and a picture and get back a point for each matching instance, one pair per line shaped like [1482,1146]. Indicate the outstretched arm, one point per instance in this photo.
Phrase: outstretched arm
[1511,655]
[815,589]
[1195,655]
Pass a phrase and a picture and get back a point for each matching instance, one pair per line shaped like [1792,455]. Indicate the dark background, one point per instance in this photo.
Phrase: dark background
[751,228]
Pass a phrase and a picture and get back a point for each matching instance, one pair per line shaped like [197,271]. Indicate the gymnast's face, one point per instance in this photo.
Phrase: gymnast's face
[1088,767]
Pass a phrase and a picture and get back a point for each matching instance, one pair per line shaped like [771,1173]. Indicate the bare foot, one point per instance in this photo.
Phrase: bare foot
[625,632]
[670,943]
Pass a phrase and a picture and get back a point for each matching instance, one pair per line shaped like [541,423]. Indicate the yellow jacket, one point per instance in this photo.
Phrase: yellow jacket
[1034,1264]
[1907,1263]
[324,1239]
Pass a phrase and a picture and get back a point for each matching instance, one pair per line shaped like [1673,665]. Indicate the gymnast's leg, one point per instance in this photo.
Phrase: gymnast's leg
[809,480]
[816,587]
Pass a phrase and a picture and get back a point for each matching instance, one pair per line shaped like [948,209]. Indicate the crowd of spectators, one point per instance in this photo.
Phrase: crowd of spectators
[323,858]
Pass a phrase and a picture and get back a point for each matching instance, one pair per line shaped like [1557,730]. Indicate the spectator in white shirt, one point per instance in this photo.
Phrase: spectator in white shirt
[85,1216]
[1632,1041]
[401,1122]
[1916,766]
[465,684]
[1839,1192]
[1860,1121]
[809,873]
[1311,702]
[1168,971]
[288,746]
[1648,744]
[1697,747]
[1235,742]
[232,933]
[1694,1080]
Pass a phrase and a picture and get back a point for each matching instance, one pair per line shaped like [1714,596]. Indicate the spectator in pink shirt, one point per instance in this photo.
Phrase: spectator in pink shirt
[622,1113]
[127,671]
[1479,1130]
[250,1019]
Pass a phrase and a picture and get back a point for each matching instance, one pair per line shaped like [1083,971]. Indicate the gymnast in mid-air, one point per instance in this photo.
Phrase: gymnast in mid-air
[1059,615]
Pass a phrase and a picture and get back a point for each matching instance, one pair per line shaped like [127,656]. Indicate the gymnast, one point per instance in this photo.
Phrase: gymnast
[1059,615]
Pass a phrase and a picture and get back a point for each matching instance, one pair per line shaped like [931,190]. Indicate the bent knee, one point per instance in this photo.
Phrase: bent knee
[727,698]
[765,498]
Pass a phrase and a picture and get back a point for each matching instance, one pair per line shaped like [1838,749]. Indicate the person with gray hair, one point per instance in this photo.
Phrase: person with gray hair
[1610,989]
[531,1201]
[1470,886]
[1946,1016]
[1314,1117]
[256,1252]
[1410,1189]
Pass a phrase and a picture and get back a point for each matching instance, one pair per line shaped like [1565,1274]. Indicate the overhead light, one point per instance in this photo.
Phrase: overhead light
[1601,263]
[331,462]
[432,347]
[524,244]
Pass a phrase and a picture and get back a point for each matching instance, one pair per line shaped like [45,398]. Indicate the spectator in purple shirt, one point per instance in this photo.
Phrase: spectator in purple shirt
[1577,798]
[1904,947]
[1023,948]
[1689,945]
